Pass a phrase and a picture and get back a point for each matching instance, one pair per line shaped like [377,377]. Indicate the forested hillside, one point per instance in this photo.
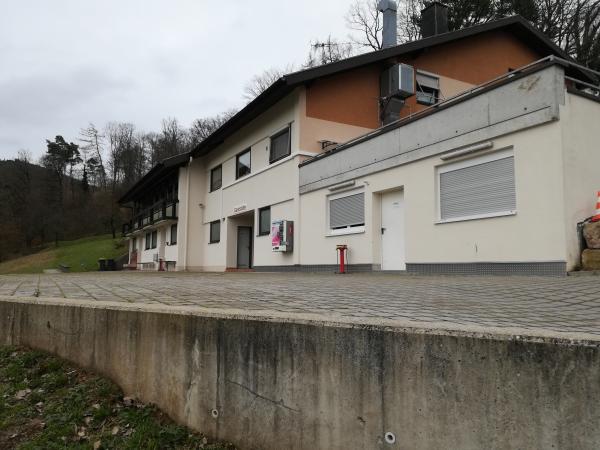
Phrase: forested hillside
[73,190]
[31,214]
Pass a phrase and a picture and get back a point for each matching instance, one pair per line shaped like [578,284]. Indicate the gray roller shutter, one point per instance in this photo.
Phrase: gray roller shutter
[347,211]
[428,81]
[480,189]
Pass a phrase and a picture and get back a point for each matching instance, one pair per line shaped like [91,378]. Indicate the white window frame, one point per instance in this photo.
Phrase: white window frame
[351,229]
[469,162]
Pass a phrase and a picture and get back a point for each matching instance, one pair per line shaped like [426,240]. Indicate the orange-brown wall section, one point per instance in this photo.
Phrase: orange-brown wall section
[353,97]
[350,97]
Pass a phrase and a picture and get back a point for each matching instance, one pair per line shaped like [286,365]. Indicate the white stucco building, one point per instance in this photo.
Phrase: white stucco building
[493,181]
[486,168]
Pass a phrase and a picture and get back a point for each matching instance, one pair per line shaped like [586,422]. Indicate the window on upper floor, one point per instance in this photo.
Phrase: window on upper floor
[346,212]
[428,89]
[215,232]
[154,239]
[216,178]
[174,234]
[264,221]
[242,164]
[148,242]
[478,187]
[280,145]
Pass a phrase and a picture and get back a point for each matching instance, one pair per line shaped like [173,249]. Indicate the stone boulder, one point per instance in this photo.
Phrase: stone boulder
[590,259]
[591,234]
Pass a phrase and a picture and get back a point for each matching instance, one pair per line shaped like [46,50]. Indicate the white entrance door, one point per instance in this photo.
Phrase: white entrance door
[392,231]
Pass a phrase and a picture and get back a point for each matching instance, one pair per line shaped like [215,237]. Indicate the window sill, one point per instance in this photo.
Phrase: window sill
[264,169]
[345,231]
[213,242]
[477,217]
[272,161]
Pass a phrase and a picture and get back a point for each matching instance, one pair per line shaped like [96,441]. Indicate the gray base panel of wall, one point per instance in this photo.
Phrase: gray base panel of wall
[352,268]
[552,268]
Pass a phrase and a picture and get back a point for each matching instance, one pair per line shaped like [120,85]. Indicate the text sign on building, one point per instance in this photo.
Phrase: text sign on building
[240,208]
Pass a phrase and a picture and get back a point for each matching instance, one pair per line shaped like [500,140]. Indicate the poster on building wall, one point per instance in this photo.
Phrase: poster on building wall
[276,233]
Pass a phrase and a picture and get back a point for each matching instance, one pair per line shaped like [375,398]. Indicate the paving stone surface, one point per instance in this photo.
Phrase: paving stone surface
[569,304]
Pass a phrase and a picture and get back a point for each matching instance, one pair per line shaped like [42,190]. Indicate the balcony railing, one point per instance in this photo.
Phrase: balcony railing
[150,216]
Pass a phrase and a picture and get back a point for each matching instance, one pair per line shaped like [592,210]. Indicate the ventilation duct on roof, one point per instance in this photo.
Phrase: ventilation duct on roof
[396,84]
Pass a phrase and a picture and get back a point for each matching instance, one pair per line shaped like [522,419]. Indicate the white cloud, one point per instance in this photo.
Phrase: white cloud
[68,62]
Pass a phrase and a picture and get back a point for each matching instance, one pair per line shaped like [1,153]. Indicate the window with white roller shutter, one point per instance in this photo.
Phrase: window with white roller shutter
[347,211]
[478,188]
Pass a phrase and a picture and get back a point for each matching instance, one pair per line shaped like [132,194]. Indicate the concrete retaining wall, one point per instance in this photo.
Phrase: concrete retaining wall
[277,385]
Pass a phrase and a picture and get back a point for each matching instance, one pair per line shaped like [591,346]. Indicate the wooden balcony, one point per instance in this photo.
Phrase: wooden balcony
[155,214]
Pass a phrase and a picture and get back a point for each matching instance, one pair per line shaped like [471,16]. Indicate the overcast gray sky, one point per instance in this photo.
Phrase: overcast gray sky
[65,63]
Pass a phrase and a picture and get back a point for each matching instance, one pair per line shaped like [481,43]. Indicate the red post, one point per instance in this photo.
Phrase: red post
[161,265]
[342,257]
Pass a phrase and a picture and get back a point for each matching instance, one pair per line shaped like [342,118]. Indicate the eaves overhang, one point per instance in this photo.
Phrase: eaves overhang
[161,169]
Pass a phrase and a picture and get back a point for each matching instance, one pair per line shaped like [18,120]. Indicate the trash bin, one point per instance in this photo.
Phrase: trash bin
[102,264]
[111,265]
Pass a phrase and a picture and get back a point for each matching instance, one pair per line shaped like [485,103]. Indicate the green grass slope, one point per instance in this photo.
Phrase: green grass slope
[47,403]
[81,255]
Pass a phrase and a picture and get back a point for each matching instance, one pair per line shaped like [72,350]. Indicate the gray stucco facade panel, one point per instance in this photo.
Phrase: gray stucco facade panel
[524,103]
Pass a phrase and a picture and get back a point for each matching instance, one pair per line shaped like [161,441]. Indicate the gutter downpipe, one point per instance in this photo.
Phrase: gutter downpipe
[187,214]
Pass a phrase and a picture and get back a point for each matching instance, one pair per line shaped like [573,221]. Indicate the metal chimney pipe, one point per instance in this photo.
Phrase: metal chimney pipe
[390,30]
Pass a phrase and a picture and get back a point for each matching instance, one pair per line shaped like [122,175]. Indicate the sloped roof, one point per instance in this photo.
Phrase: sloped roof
[158,171]
[516,25]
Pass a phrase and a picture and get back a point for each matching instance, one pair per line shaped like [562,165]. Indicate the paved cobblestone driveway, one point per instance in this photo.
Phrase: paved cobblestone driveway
[570,304]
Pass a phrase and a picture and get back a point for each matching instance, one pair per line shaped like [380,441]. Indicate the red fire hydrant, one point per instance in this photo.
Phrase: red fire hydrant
[342,250]
[161,265]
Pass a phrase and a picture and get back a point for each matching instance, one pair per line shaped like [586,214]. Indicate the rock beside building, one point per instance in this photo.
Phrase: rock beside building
[590,259]
[591,234]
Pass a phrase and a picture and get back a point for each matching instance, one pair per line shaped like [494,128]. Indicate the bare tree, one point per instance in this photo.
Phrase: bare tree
[409,16]
[23,208]
[205,126]
[92,149]
[583,38]
[260,83]
[366,23]
[116,134]
[172,140]
[364,18]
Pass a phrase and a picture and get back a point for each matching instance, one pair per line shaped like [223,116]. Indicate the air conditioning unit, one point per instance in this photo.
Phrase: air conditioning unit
[282,235]
[155,257]
[398,81]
